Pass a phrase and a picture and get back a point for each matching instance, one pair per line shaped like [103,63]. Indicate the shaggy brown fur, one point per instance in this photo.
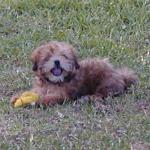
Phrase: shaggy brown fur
[60,76]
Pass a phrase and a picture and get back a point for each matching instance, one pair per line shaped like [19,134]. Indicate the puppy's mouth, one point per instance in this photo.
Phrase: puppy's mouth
[56,71]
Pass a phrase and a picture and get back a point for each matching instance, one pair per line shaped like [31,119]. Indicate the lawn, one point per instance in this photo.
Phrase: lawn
[119,30]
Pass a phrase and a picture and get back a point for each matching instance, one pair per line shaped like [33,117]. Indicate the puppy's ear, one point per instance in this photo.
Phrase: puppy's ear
[77,66]
[34,59]
[35,66]
[75,58]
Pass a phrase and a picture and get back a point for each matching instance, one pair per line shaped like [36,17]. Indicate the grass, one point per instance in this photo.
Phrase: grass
[97,28]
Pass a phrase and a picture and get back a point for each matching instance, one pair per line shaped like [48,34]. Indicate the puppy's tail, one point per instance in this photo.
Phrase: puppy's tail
[128,75]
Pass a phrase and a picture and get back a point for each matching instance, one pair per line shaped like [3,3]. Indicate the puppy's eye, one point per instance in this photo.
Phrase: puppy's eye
[35,67]
[65,56]
[77,65]
[47,58]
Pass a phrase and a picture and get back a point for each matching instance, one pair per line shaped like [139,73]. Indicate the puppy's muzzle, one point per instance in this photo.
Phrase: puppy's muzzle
[57,70]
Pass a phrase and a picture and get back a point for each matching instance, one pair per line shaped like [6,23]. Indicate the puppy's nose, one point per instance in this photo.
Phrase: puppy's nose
[57,63]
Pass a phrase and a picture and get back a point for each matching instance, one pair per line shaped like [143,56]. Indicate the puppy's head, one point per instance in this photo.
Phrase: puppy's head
[55,62]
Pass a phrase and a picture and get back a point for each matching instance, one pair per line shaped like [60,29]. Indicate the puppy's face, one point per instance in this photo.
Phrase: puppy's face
[55,62]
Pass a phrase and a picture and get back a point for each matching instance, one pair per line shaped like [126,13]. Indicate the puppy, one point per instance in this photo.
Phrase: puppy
[59,76]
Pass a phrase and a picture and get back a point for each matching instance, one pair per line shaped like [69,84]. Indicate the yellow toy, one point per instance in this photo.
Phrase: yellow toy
[25,99]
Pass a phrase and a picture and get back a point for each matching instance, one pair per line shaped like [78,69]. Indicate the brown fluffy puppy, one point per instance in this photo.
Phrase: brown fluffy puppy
[61,77]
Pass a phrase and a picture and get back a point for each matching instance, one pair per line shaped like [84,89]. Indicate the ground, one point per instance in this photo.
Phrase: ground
[115,29]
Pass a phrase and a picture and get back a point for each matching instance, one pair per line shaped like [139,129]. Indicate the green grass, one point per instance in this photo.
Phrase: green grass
[97,28]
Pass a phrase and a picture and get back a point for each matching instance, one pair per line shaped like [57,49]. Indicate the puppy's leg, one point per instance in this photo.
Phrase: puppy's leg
[50,100]
[111,87]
